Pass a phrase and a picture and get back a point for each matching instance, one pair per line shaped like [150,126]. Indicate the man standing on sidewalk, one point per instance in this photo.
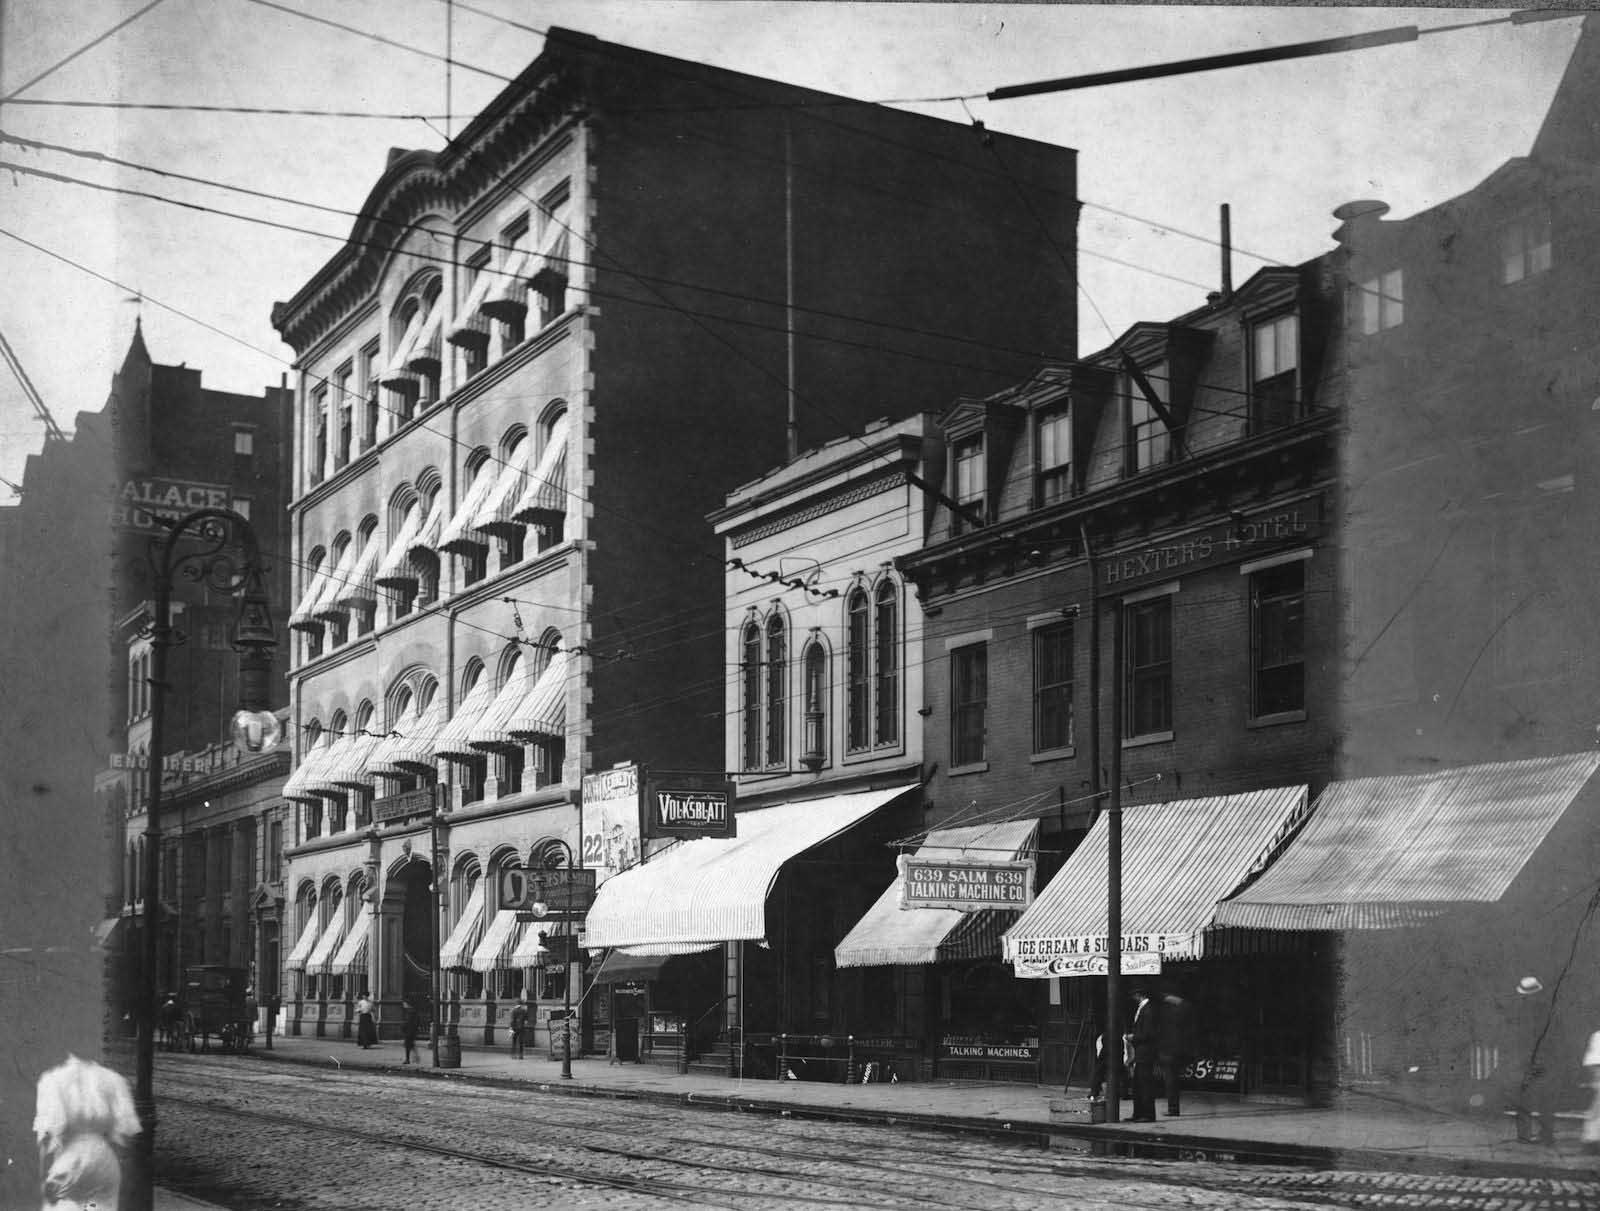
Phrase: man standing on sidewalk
[1173,1049]
[1538,1052]
[519,1022]
[1143,1036]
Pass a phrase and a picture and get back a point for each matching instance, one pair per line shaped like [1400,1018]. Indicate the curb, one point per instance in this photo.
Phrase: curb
[1102,1140]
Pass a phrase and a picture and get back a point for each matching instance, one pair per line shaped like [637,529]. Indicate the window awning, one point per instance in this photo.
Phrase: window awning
[302,619]
[452,738]
[715,889]
[321,960]
[494,517]
[889,934]
[359,590]
[458,948]
[332,755]
[410,750]
[551,263]
[528,952]
[427,538]
[508,294]
[1392,851]
[526,707]
[1178,859]
[544,496]
[395,568]
[352,954]
[302,783]
[469,328]
[458,533]
[348,765]
[305,944]
[499,942]
[395,371]
[423,355]
[489,730]
[343,575]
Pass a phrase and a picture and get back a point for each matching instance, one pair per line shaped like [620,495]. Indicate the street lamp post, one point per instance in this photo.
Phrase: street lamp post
[227,559]
[541,909]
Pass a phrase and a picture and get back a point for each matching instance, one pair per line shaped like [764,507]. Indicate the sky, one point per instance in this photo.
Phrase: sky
[1411,124]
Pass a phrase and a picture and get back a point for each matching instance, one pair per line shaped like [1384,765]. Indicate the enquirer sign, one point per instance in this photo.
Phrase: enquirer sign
[929,883]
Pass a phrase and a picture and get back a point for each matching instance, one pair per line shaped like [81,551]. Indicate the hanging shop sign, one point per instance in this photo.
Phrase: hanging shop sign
[562,890]
[688,805]
[1138,963]
[142,501]
[611,814]
[969,886]
[1225,542]
[1086,954]
[402,806]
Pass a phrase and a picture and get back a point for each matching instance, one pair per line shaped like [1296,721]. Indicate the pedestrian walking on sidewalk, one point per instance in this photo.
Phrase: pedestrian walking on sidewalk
[1173,1046]
[1143,1037]
[410,1027]
[1537,1052]
[366,1024]
[519,1022]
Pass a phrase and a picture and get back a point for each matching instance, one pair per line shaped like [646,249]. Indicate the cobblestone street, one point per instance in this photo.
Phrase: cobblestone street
[252,1136]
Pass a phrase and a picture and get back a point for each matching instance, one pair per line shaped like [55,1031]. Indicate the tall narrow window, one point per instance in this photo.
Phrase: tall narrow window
[1277,639]
[1275,372]
[1149,443]
[1052,687]
[886,671]
[858,671]
[369,391]
[1382,301]
[777,697]
[1525,249]
[750,669]
[815,749]
[319,448]
[1055,456]
[1147,671]
[970,480]
[969,703]
[344,403]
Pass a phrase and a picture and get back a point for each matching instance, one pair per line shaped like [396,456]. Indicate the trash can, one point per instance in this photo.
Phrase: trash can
[449,1051]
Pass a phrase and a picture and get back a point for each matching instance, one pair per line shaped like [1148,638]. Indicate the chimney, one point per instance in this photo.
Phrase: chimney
[1358,218]
[1227,252]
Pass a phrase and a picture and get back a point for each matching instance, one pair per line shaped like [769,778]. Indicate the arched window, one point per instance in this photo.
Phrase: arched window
[777,683]
[815,753]
[750,669]
[886,669]
[367,725]
[858,669]
[339,726]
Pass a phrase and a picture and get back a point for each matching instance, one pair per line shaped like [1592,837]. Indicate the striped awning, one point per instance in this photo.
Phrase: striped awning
[499,942]
[321,960]
[544,496]
[427,538]
[458,532]
[453,736]
[327,606]
[360,589]
[508,292]
[348,765]
[543,710]
[305,944]
[528,951]
[352,955]
[395,568]
[301,619]
[333,757]
[1178,859]
[469,328]
[1384,852]
[494,516]
[303,784]
[396,372]
[715,889]
[460,946]
[410,749]
[888,934]
[551,262]
[423,356]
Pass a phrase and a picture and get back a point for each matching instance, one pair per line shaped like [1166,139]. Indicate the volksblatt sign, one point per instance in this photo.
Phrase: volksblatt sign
[689,805]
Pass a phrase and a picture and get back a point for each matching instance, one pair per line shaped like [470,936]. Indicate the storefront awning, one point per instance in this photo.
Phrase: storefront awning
[528,952]
[458,948]
[410,749]
[499,943]
[544,496]
[452,738]
[715,889]
[352,952]
[1178,859]
[458,534]
[620,967]
[304,945]
[889,934]
[1384,852]
[321,960]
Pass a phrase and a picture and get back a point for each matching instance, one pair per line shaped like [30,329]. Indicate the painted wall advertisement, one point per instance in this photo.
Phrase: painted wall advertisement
[611,833]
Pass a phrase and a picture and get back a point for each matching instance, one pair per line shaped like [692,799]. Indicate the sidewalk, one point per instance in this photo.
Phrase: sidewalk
[1365,1132]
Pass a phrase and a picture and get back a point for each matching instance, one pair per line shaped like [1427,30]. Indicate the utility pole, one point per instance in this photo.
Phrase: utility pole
[1114,880]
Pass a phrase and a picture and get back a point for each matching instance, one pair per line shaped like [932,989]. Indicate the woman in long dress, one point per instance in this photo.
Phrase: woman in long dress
[366,1025]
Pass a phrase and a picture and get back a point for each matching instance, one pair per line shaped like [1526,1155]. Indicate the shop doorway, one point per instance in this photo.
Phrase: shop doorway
[416,934]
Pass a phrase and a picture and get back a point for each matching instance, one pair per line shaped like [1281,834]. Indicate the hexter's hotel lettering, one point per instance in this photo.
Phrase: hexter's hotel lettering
[1215,544]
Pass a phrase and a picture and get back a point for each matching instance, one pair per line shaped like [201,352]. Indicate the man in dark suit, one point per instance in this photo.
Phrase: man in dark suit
[1144,1037]
[1173,1049]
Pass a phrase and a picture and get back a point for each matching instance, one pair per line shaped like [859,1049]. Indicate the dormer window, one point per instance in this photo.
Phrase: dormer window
[970,482]
[1275,372]
[1525,248]
[1382,300]
[1148,442]
[1055,455]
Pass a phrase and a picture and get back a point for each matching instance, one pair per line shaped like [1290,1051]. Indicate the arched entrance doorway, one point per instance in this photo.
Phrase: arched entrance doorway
[408,947]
